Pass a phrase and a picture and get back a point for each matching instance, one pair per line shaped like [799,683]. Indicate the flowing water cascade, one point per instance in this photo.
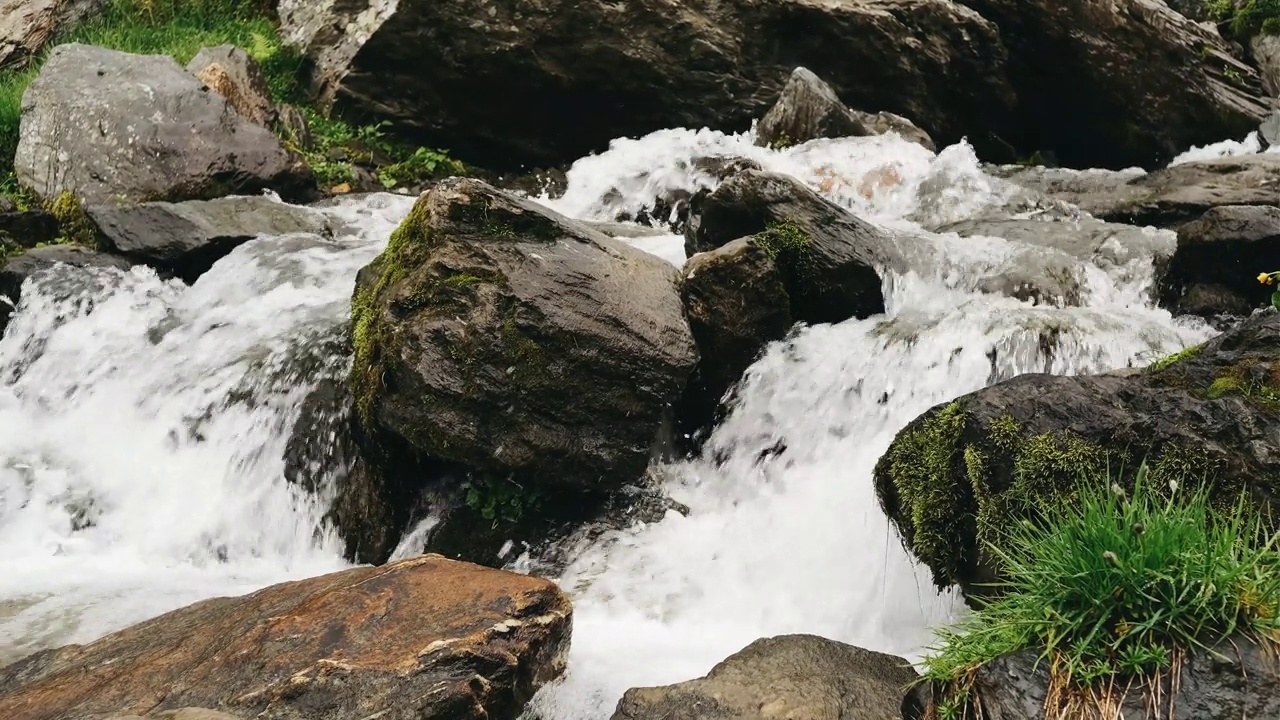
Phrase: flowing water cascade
[143,423]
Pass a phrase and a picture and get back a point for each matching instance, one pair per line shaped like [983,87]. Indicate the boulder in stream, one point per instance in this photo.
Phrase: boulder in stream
[789,676]
[962,469]
[809,109]
[158,134]
[186,239]
[1215,269]
[500,344]
[420,639]
[17,269]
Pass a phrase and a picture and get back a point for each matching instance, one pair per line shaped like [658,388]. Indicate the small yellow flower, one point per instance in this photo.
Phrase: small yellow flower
[1264,278]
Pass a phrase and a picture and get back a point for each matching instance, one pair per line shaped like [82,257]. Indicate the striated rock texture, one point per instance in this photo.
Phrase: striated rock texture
[233,74]
[789,676]
[1123,83]
[27,25]
[420,639]
[579,74]
[964,469]
[156,133]
[499,341]
[71,263]
[809,109]
[186,239]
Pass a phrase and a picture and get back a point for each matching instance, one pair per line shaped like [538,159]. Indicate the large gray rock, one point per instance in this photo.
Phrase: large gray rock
[830,259]
[233,74]
[737,303]
[421,639]
[112,127]
[964,469]
[17,269]
[525,85]
[26,25]
[186,239]
[1219,256]
[496,336]
[789,676]
[809,109]
[1121,83]
[1235,678]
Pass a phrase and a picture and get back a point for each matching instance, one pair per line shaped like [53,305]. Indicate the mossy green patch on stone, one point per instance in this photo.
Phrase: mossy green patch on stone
[1255,380]
[921,464]
[1169,361]
[783,242]
[73,223]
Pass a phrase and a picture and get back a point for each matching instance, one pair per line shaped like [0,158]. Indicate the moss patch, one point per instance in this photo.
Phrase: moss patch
[1253,379]
[73,223]
[1169,361]
[784,242]
[494,221]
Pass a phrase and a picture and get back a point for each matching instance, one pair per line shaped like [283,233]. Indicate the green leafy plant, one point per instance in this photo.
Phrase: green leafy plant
[1270,279]
[501,501]
[1110,586]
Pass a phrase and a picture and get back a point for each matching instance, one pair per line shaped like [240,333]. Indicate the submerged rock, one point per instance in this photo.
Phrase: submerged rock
[17,269]
[789,676]
[1120,84]
[809,109]
[26,25]
[1214,271]
[644,66]
[233,74]
[500,343]
[1235,678]
[157,134]
[1206,415]
[186,239]
[421,639]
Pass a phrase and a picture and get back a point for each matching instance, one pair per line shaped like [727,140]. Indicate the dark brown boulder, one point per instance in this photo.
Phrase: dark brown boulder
[425,638]
[964,468]
[1219,256]
[547,82]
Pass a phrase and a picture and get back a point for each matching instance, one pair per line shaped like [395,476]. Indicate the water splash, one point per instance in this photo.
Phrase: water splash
[144,422]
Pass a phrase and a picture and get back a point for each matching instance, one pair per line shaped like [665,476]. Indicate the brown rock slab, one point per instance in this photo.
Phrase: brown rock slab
[418,639]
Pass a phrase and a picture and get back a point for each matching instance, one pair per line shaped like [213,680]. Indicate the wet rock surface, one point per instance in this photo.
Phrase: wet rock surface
[1214,271]
[160,135]
[1205,415]
[789,676]
[15,270]
[426,638]
[484,306]
[644,66]
[809,109]
[186,239]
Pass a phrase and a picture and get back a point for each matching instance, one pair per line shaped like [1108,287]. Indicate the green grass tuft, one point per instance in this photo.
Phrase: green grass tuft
[1111,586]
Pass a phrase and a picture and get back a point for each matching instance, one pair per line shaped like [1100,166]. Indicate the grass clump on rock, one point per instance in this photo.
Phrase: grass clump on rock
[1112,587]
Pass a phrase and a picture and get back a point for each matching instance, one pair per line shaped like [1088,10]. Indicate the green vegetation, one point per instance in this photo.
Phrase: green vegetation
[1169,361]
[1245,18]
[501,501]
[784,242]
[1252,379]
[180,28]
[1112,586]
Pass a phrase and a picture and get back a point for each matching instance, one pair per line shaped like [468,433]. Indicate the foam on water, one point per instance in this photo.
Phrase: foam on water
[143,424]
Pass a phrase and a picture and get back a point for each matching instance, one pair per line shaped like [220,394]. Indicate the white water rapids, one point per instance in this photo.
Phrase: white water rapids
[143,423]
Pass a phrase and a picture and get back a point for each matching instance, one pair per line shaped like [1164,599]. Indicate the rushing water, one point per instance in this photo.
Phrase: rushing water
[142,423]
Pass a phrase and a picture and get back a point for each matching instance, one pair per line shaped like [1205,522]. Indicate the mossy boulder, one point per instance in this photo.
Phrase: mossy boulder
[505,354]
[829,259]
[962,471]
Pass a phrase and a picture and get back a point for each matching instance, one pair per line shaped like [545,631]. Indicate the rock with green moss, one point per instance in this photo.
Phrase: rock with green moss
[962,471]
[500,343]
[829,258]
